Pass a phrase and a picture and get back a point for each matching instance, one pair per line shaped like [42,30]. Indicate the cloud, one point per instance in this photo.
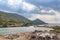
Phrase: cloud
[41,1]
[44,17]
[47,18]
[55,4]
[14,4]
[28,6]
[20,5]
[45,11]
[2,2]
[48,11]
[45,1]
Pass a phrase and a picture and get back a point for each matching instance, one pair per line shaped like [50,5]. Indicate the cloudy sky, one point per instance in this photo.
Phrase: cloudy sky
[46,10]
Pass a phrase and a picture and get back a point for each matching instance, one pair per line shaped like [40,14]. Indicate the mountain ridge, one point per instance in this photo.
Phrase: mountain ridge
[7,19]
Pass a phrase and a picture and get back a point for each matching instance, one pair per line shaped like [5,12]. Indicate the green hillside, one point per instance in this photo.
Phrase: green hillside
[12,20]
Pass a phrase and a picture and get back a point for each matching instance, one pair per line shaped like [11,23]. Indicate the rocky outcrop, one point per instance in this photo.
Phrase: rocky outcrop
[58,36]
[29,36]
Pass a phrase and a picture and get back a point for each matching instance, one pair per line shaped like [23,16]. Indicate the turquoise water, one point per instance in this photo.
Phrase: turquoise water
[21,29]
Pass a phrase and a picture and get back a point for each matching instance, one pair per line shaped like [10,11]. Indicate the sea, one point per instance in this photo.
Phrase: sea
[13,30]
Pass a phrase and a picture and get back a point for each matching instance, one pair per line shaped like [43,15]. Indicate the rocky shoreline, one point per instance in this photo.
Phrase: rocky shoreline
[31,36]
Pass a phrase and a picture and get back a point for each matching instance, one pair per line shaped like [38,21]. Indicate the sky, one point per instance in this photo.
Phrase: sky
[45,10]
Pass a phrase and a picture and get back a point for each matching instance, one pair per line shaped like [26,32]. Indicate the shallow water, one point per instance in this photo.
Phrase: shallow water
[20,29]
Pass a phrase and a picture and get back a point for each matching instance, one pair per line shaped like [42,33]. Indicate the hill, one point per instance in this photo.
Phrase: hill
[12,19]
[38,22]
[35,22]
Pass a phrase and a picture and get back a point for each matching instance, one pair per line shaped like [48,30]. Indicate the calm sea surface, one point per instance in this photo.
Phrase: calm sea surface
[21,29]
